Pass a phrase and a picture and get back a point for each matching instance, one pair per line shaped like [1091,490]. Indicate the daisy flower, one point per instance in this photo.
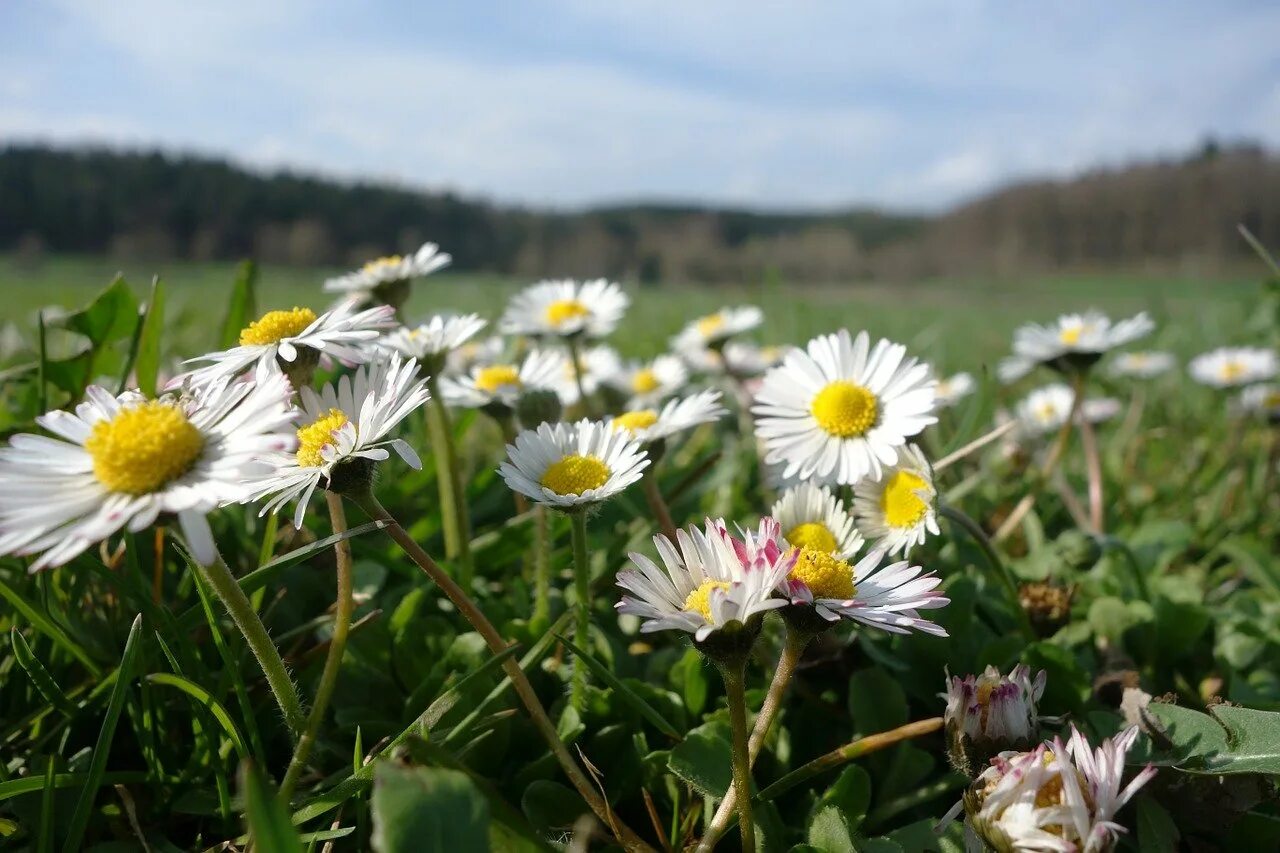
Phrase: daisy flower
[385,272]
[342,424]
[649,383]
[1232,367]
[990,713]
[714,329]
[296,337]
[841,409]
[704,584]
[429,342]
[1073,342]
[1263,399]
[897,511]
[811,516]
[598,365]
[566,308]
[473,353]
[121,461]
[1144,364]
[953,389]
[572,465]
[502,383]
[1046,409]
[650,425]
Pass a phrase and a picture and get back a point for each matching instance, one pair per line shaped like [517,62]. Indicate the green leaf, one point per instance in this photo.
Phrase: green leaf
[446,700]
[42,624]
[851,794]
[205,698]
[829,831]
[1192,735]
[147,362]
[626,693]
[428,808]
[550,805]
[1253,741]
[876,702]
[268,819]
[101,750]
[111,316]
[1157,833]
[702,759]
[40,676]
[240,309]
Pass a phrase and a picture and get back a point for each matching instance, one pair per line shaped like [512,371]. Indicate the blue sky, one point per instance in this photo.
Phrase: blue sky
[910,105]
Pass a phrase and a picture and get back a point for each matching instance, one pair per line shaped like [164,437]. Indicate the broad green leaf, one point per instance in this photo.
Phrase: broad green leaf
[147,362]
[111,316]
[241,308]
[428,808]
[876,702]
[1157,833]
[268,819]
[851,794]
[829,831]
[702,759]
[1253,741]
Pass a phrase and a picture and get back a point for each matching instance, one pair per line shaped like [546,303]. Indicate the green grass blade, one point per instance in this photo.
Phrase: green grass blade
[147,362]
[241,309]
[42,624]
[205,698]
[628,695]
[47,806]
[98,764]
[269,826]
[40,676]
[446,700]
[30,784]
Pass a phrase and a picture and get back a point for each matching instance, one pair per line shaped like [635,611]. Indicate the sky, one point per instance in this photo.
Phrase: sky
[567,103]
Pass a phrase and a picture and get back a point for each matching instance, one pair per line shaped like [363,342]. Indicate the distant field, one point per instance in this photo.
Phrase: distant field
[940,316]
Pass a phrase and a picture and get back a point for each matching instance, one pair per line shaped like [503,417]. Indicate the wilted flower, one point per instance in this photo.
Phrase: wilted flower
[1070,344]
[991,713]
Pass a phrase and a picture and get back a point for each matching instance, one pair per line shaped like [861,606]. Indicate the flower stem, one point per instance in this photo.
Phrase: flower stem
[997,566]
[541,566]
[453,505]
[342,610]
[255,634]
[658,506]
[735,692]
[792,650]
[519,680]
[1093,470]
[582,590]
[572,343]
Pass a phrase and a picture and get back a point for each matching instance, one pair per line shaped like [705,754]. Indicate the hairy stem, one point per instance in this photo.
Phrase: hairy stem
[342,609]
[1093,470]
[735,691]
[453,504]
[582,590]
[541,565]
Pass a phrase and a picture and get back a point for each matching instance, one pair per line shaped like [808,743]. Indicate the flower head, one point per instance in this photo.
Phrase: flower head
[953,389]
[573,465]
[1262,399]
[646,384]
[344,429]
[437,337]
[705,585]
[714,329]
[811,516]
[566,308]
[121,461]
[389,270]
[991,713]
[1072,342]
[1142,364]
[1233,367]
[502,383]
[293,337]
[649,425]
[898,510]
[841,409]
[1047,409]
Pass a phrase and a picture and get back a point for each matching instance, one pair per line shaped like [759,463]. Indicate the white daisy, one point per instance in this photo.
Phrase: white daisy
[897,511]
[122,461]
[1072,342]
[1143,364]
[572,465]
[565,308]
[340,425]
[293,337]
[490,350]
[437,337]
[714,329]
[1263,399]
[649,383]
[841,408]
[598,364]
[1046,409]
[706,584]
[953,389]
[1232,367]
[390,270]
[990,713]
[811,516]
[738,358]
[502,383]
[649,425]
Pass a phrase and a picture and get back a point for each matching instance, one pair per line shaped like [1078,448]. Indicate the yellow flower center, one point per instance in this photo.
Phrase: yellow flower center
[143,447]
[900,502]
[844,409]
[1046,412]
[314,436]
[644,381]
[497,376]
[1231,371]
[1071,335]
[637,420]
[710,324]
[575,474]
[565,309]
[812,534]
[385,261]
[699,601]
[274,326]
[826,575]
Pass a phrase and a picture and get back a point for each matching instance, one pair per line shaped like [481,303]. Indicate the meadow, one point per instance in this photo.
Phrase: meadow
[434,659]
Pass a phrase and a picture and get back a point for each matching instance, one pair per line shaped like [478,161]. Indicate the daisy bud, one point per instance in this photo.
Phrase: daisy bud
[1048,606]
[538,406]
[991,713]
